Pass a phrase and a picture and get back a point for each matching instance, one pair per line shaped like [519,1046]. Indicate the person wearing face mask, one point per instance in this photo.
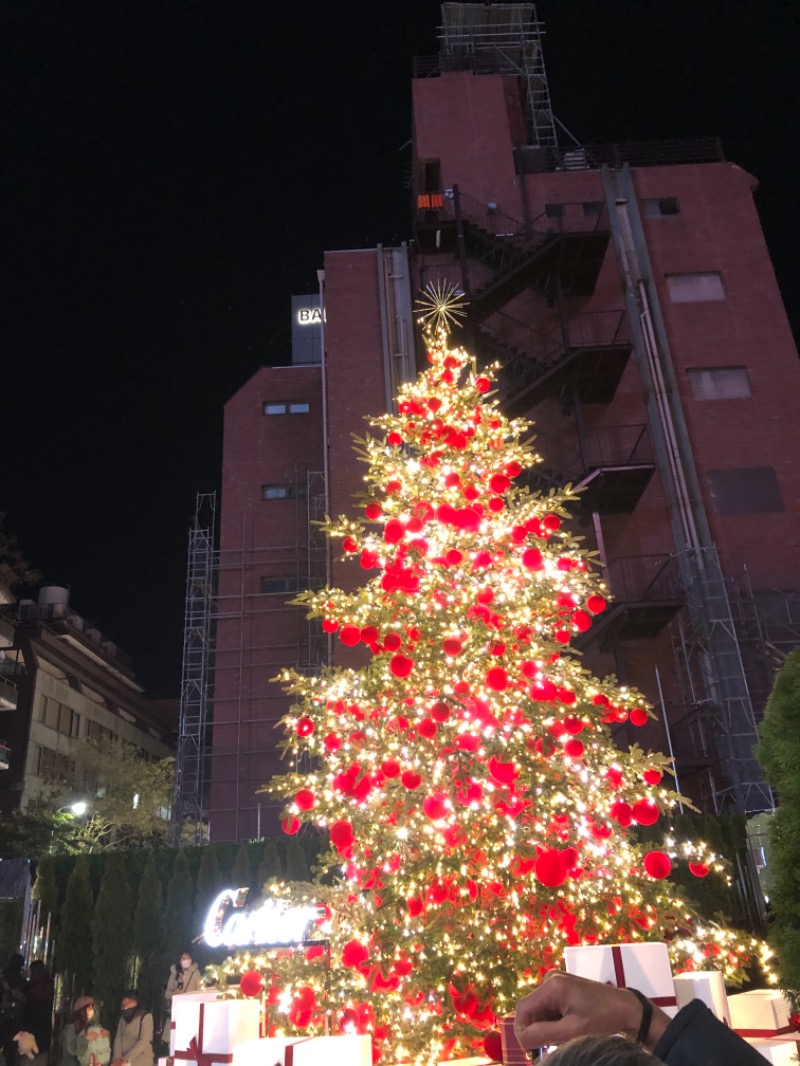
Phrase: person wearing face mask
[133,1043]
[83,1038]
[183,977]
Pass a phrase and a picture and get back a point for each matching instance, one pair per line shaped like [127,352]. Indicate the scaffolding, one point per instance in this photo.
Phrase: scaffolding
[189,808]
[500,39]
[317,567]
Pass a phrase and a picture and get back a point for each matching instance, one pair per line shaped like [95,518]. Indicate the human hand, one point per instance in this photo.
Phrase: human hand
[92,1034]
[565,1006]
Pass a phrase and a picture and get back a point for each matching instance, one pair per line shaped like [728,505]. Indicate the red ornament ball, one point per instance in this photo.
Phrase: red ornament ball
[290,824]
[435,807]
[392,642]
[493,1046]
[657,864]
[699,869]
[373,511]
[652,777]
[390,768]
[251,984]
[513,469]
[305,799]
[452,646]
[349,544]
[497,679]
[440,711]
[551,869]
[341,834]
[581,620]
[645,812]
[304,727]
[574,748]
[482,384]
[532,558]
[394,531]
[499,483]
[401,665]
[638,716]
[350,635]
[551,522]
[329,625]
[596,604]
[394,439]
[354,954]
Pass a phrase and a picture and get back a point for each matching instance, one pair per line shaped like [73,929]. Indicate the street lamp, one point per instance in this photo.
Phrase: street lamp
[78,808]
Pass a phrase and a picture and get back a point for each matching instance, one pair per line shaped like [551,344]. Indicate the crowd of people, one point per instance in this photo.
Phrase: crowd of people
[589,1024]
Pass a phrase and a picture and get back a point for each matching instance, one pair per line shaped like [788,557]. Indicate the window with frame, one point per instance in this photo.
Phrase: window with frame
[284,492]
[63,719]
[295,583]
[695,288]
[719,383]
[746,490]
[288,408]
[55,766]
[554,210]
[660,207]
[593,207]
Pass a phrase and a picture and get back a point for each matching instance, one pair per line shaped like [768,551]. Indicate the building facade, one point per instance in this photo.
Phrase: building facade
[628,295]
[71,683]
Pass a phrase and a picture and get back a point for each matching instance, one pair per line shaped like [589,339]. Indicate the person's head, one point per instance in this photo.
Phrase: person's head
[82,1012]
[601,1051]
[38,970]
[16,962]
[186,960]
[131,1004]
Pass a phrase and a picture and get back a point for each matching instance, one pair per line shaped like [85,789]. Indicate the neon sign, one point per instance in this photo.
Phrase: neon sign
[310,316]
[273,923]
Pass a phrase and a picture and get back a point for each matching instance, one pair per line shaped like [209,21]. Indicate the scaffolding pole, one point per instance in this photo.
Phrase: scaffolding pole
[189,808]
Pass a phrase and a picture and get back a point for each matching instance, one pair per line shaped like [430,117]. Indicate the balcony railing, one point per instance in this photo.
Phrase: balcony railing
[8,694]
[645,579]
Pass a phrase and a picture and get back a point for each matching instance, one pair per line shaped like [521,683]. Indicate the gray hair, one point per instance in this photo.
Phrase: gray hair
[600,1051]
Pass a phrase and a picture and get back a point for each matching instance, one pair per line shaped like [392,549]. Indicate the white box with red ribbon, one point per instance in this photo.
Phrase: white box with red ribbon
[645,967]
[345,1050]
[760,1014]
[185,1006]
[206,1031]
[705,985]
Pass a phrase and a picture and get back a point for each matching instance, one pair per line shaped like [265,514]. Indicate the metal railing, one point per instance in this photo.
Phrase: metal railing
[8,691]
[645,579]
[531,159]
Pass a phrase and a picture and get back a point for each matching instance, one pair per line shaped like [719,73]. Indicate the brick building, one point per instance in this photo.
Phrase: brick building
[628,293]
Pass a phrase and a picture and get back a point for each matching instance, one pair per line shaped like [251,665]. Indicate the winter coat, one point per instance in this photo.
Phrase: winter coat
[134,1040]
[77,1048]
[182,981]
[695,1037]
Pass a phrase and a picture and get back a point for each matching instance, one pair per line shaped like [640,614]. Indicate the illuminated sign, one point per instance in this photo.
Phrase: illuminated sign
[310,316]
[271,924]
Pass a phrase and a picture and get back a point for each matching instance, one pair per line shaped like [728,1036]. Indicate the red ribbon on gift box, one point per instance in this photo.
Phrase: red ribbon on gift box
[765,1034]
[288,1055]
[619,973]
[195,1053]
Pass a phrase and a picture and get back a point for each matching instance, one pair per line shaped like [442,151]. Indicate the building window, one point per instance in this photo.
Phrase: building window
[286,408]
[593,207]
[748,490]
[295,583]
[284,492]
[56,767]
[658,208]
[719,383]
[554,210]
[63,719]
[695,288]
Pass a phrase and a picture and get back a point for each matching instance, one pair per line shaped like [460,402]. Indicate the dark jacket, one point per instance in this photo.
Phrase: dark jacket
[695,1037]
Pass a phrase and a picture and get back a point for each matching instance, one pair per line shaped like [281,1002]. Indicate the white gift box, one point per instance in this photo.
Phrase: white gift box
[705,985]
[345,1050]
[645,967]
[214,1025]
[781,1051]
[761,1013]
[185,1004]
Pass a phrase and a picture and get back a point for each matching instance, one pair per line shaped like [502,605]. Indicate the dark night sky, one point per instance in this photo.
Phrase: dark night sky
[175,169]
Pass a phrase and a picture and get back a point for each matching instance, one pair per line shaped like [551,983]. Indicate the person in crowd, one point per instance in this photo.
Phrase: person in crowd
[133,1042]
[184,977]
[564,1007]
[83,1037]
[37,1012]
[13,990]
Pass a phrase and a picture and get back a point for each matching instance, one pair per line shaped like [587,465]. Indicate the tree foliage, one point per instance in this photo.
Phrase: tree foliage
[14,567]
[270,865]
[74,948]
[242,873]
[148,921]
[133,796]
[179,928]
[779,752]
[28,833]
[111,931]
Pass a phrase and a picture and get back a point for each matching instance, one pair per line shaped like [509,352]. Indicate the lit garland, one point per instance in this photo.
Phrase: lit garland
[478,810]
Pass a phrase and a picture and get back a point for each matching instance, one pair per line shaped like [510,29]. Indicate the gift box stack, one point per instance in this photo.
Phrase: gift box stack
[763,1018]
[209,1031]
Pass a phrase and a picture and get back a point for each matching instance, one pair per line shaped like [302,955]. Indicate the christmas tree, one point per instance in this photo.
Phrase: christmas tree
[480,815]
